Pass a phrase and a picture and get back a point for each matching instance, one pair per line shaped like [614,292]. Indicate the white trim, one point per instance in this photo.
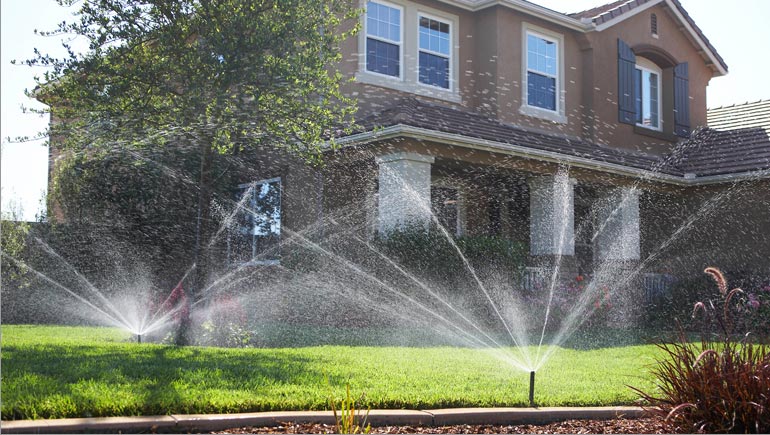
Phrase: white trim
[402,16]
[409,81]
[450,57]
[271,261]
[645,65]
[557,115]
[401,130]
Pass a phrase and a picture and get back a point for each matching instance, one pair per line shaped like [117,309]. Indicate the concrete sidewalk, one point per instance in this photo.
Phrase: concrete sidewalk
[377,417]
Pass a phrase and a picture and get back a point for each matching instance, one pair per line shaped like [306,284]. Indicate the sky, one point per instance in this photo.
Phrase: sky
[736,31]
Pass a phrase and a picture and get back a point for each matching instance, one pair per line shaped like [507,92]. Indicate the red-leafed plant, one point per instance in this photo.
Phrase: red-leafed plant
[721,384]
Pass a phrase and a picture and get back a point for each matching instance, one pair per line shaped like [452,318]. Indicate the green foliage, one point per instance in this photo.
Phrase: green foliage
[57,372]
[432,255]
[348,420]
[13,242]
[721,385]
[229,74]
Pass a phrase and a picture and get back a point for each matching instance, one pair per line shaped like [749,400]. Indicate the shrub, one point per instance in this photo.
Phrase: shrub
[720,384]
[431,254]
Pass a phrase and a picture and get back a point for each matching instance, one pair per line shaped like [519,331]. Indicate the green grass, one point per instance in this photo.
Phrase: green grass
[55,372]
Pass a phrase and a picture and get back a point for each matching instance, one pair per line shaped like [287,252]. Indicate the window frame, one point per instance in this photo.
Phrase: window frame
[449,57]
[400,43]
[253,261]
[409,81]
[559,113]
[646,65]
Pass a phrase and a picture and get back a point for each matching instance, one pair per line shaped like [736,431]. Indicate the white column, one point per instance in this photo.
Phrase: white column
[552,215]
[617,225]
[404,191]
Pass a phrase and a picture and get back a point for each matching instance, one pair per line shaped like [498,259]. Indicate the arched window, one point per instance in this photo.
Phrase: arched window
[647,83]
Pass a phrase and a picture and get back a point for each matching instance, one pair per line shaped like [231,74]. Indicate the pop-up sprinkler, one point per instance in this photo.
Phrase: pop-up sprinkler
[532,388]
[139,340]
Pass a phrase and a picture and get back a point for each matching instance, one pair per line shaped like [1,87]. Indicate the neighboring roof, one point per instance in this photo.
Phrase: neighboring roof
[610,13]
[708,153]
[746,115]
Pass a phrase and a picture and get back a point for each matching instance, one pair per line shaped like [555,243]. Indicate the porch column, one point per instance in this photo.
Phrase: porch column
[552,215]
[617,236]
[404,191]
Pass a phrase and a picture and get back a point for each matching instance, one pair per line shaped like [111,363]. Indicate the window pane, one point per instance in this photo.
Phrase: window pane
[434,70]
[647,104]
[542,55]
[444,204]
[383,21]
[434,36]
[382,57]
[256,233]
[541,91]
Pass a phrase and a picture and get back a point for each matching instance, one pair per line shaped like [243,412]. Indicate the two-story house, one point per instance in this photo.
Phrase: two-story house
[580,135]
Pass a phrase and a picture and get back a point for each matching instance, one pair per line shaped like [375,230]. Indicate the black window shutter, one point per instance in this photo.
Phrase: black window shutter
[681,100]
[626,91]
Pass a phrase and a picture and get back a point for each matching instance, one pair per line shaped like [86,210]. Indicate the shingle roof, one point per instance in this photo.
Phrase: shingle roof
[708,151]
[416,113]
[736,140]
[714,152]
[604,13]
[608,11]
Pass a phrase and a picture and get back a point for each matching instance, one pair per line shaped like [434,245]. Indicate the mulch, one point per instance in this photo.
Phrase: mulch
[651,425]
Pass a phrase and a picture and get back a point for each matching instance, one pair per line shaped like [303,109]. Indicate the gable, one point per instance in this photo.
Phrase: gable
[615,13]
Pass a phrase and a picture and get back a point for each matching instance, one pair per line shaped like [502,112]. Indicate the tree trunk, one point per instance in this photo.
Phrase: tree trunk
[200,255]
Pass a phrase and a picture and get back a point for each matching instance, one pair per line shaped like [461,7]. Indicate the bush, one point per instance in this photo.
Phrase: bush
[431,254]
[719,385]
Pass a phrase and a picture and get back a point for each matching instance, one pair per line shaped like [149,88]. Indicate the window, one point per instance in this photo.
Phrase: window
[434,60]
[444,201]
[647,93]
[542,71]
[383,39]
[256,231]
[409,47]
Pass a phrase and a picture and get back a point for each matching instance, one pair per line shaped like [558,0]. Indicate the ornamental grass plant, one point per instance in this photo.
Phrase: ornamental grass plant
[722,383]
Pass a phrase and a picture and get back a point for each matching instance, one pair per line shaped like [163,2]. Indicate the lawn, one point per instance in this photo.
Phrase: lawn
[56,372]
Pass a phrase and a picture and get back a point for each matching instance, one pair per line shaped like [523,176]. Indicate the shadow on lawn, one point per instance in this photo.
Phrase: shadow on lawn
[55,381]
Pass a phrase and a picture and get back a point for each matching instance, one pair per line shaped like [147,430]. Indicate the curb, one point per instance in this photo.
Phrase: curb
[377,417]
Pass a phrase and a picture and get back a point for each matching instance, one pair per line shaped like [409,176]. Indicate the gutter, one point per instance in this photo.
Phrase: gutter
[402,130]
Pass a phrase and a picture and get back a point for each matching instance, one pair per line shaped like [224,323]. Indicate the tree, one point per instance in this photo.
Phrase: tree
[207,77]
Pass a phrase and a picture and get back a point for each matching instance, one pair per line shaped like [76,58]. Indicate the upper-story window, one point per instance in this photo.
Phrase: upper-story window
[435,52]
[383,38]
[410,47]
[542,71]
[647,83]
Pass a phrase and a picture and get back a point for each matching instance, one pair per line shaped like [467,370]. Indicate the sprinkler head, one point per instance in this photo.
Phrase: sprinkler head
[532,389]
[138,338]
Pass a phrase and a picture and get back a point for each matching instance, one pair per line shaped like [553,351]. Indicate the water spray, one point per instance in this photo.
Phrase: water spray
[532,388]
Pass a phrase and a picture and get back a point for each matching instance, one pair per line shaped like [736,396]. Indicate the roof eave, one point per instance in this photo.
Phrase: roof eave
[527,7]
[403,130]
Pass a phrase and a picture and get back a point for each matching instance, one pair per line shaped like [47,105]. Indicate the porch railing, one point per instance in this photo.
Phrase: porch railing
[656,286]
[535,278]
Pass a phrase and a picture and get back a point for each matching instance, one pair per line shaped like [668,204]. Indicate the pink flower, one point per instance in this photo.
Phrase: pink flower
[753,301]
